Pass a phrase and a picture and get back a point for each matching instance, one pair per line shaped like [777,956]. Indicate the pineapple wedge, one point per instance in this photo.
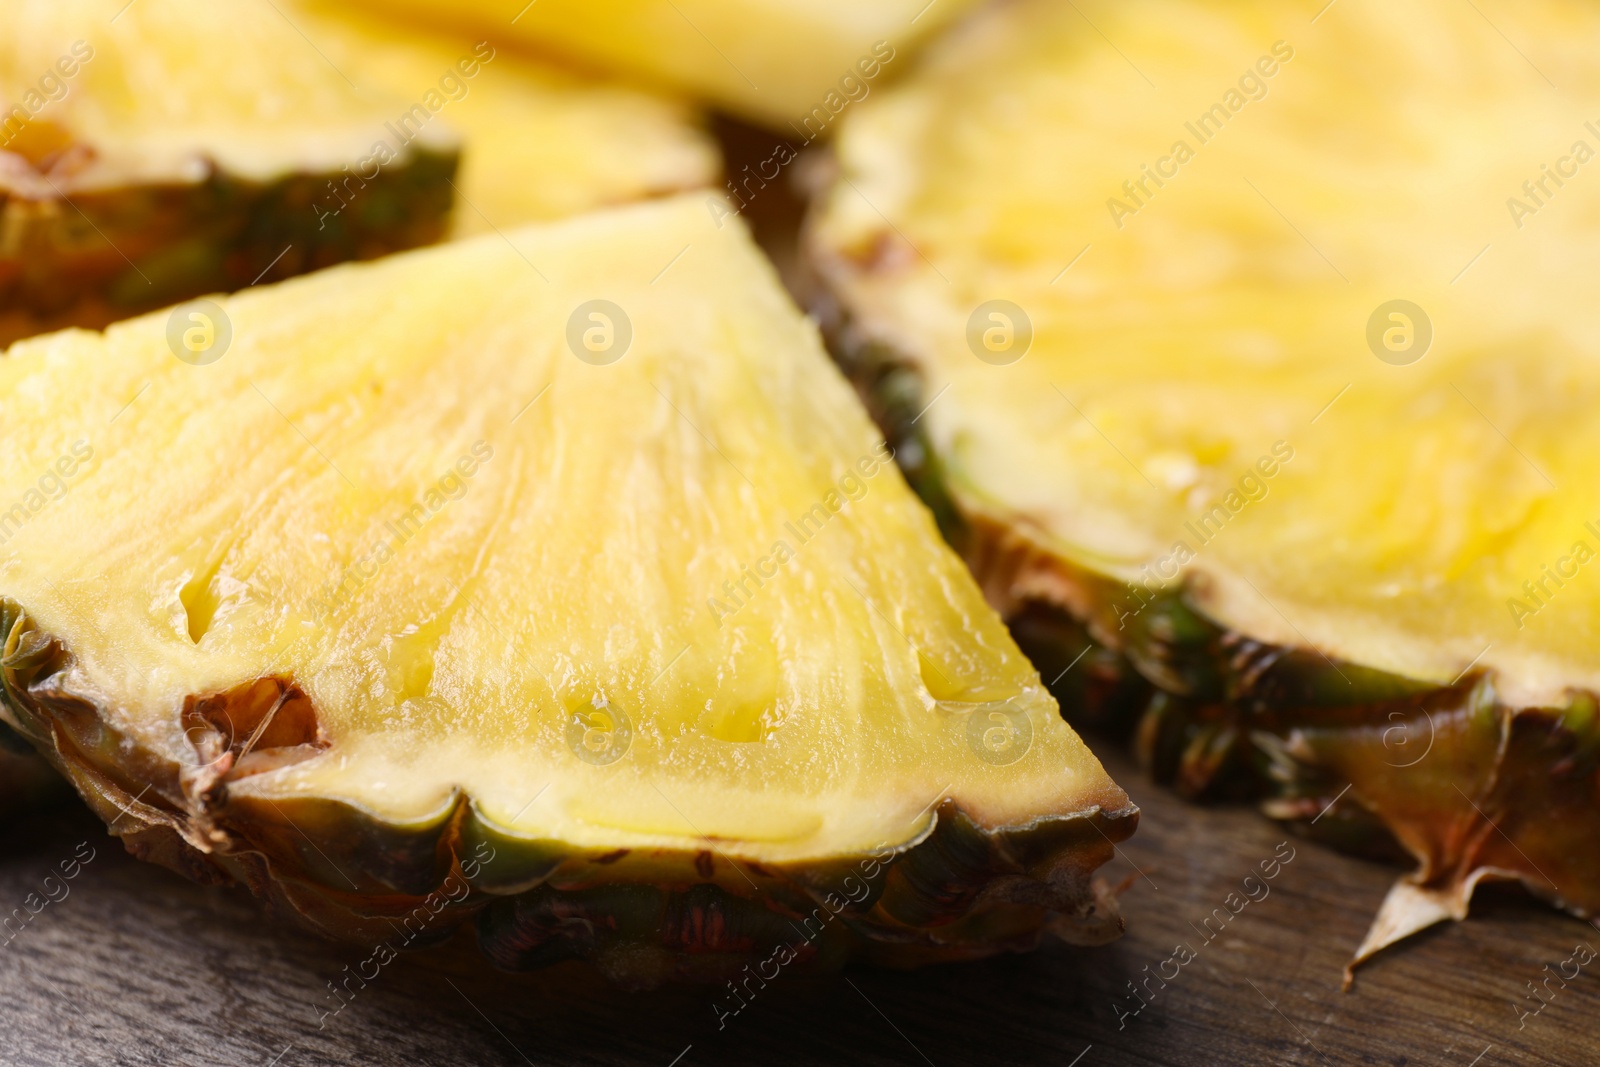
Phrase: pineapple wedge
[557,573]
[1256,355]
[153,152]
[791,67]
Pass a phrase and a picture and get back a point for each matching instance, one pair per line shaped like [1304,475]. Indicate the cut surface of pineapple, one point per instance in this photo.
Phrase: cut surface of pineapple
[1200,401]
[147,104]
[1260,347]
[171,149]
[162,151]
[569,538]
[768,61]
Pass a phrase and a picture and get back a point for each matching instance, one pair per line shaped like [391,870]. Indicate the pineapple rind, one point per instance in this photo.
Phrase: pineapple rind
[1204,337]
[62,268]
[480,336]
[182,148]
[1506,791]
[201,148]
[955,891]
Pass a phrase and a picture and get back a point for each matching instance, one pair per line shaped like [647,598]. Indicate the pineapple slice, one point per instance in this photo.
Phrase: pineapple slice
[152,152]
[559,571]
[170,149]
[1261,348]
[791,67]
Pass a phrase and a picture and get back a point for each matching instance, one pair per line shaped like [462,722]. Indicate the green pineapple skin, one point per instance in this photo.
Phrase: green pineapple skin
[641,917]
[1219,716]
[109,254]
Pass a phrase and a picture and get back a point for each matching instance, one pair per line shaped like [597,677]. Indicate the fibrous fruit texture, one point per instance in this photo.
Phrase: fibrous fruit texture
[1253,353]
[558,568]
[154,152]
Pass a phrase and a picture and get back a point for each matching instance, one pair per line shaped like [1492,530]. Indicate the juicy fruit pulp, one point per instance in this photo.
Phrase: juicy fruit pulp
[570,541]
[176,148]
[1211,434]
[765,60]
[162,151]
[540,142]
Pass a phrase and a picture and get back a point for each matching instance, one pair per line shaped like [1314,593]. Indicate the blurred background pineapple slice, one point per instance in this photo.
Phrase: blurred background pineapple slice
[792,67]
[1260,353]
[150,152]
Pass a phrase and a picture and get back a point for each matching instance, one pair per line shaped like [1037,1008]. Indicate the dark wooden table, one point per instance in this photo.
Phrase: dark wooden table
[137,966]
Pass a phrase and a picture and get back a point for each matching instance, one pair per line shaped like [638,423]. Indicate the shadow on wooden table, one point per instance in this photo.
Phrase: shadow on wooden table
[131,965]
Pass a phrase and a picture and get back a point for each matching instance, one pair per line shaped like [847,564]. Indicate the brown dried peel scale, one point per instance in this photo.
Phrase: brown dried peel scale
[641,917]
[1469,788]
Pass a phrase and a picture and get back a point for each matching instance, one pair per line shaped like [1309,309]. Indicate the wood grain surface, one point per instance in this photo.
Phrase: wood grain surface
[135,966]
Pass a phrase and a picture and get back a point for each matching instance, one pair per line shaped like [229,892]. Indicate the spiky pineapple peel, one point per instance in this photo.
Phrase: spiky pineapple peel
[1200,427]
[421,560]
[151,154]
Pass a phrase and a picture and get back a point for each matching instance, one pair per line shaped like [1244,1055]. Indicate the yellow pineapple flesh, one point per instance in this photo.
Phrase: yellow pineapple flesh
[568,539]
[154,152]
[791,67]
[1282,322]
[540,141]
